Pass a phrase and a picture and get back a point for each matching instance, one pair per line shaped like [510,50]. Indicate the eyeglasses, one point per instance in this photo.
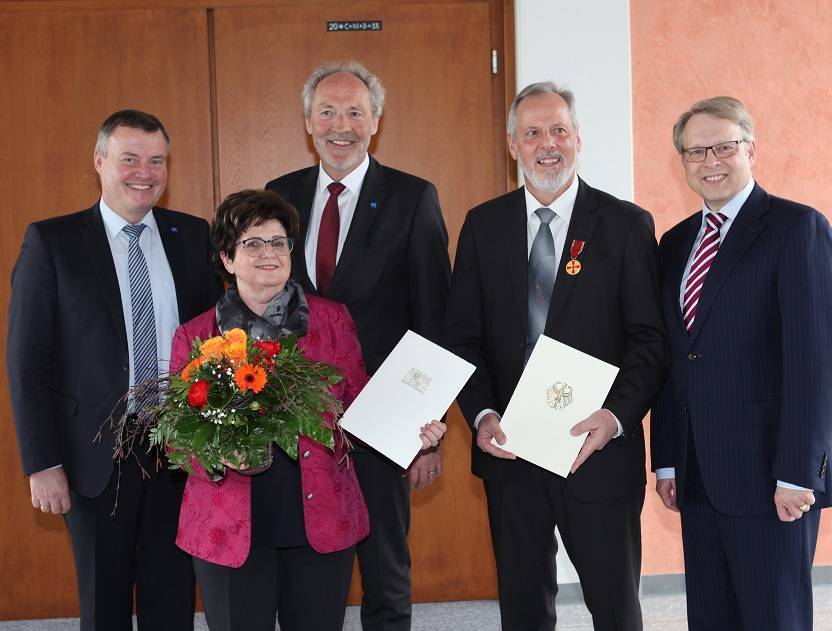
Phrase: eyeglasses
[255,246]
[722,150]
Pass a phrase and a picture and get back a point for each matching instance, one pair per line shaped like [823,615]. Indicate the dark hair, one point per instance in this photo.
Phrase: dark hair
[242,210]
[134,119]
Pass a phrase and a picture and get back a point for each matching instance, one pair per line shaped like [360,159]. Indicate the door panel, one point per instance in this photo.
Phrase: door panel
[61,74]
[64,66]
[434,61]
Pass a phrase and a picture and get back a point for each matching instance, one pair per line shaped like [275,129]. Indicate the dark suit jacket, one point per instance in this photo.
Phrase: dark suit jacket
[67,353]
[393,273]
[751,382]
[609,310]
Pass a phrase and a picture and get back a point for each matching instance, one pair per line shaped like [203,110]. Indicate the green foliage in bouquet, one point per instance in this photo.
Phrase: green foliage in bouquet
[238,395]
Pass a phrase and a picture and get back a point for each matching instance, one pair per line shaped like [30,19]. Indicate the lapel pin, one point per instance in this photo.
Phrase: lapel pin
[174,229]
[573,266]
[373,205]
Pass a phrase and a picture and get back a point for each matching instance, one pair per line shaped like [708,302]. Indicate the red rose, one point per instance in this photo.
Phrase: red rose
[271,347]
[198,393]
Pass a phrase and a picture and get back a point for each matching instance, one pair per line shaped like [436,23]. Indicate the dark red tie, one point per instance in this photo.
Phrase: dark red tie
[328,240]
[705,255]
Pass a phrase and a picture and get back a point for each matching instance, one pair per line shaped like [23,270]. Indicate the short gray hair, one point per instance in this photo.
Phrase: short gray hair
[726,107]
[354,68]
[535,89]
[132,119]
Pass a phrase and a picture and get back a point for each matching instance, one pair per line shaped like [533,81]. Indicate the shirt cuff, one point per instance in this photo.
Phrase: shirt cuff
[666,473]
[794,487]
[483,413]
[617,423]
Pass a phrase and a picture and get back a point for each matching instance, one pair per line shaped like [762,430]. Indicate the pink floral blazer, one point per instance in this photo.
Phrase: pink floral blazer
[215,518]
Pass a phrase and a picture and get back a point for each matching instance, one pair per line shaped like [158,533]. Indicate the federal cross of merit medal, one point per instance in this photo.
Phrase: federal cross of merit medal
[573,265]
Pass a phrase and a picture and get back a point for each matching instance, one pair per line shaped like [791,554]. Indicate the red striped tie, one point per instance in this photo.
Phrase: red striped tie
[705,255]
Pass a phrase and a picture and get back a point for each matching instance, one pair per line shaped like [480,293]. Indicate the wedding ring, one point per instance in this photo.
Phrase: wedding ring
[432,472]
[804,508]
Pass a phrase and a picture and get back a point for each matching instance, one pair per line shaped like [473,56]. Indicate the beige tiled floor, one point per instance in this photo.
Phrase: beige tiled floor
[667,613]
[661,613]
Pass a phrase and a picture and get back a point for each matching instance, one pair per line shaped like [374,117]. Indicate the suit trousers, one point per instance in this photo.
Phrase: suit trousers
[304,589]
[384,557]
[117,547]
[603,540]
[745,573]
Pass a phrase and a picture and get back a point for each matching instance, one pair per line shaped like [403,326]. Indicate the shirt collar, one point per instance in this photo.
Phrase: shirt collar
[114,223]
[562,206]
[732,208]
[352,181]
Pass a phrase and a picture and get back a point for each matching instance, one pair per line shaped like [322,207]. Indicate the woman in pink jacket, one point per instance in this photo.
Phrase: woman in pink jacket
[279,541]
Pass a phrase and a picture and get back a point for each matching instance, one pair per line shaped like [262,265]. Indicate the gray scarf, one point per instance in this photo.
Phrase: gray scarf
[286,314]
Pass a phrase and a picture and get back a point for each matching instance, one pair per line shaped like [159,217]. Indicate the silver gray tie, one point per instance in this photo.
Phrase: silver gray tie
[541,278]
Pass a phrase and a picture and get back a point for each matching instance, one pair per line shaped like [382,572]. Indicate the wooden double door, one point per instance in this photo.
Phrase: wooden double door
[226,79]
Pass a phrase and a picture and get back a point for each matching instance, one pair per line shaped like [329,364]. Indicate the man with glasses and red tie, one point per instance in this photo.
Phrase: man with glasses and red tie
[742,432]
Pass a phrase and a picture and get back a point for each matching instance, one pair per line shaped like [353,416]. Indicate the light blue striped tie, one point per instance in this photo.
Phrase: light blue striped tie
[145,362]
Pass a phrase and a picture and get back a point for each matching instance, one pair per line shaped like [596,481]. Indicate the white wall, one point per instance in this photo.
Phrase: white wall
[584,45]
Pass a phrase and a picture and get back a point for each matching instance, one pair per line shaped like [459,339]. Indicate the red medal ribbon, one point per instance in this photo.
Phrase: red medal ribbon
[577,248]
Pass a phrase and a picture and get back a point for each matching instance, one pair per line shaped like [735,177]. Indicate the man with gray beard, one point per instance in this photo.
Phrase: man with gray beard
[560,258]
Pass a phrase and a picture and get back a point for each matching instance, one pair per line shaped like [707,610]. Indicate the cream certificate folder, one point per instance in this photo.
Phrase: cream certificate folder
[416,384]
[559,387]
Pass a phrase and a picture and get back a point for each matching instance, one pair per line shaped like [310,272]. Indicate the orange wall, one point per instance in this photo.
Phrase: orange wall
[774,55]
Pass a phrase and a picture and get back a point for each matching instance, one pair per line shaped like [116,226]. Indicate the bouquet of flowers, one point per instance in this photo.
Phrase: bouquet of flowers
[235,397]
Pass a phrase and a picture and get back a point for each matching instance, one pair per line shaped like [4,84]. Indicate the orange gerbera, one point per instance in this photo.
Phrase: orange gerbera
[193,365]
[212,347]
[250,377]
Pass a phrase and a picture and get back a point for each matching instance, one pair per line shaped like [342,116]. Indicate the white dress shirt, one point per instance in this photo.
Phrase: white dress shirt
[730,211]
[562,207]
[165,309]
[347,201]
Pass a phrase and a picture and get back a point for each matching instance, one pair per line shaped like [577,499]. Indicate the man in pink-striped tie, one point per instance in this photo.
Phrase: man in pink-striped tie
[742,433]
[700,264]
